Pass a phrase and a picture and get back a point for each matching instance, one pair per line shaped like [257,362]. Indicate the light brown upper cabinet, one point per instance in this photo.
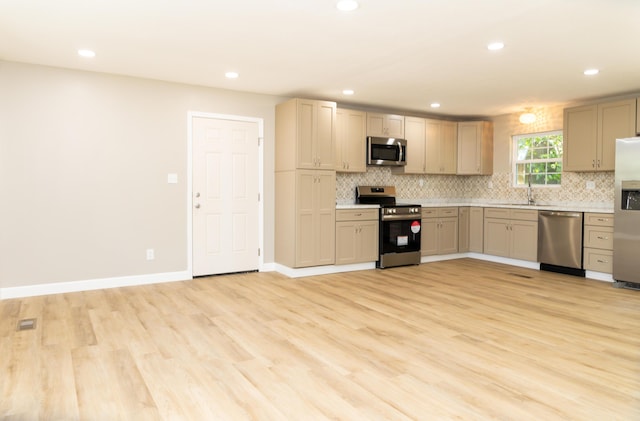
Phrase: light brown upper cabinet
[441,147]
[414,130]
[432,146]
[351,126]
[475,147]
[385,125]
[306,134]
[590,133]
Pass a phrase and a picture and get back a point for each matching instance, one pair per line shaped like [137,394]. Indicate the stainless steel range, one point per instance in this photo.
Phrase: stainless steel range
[400,226]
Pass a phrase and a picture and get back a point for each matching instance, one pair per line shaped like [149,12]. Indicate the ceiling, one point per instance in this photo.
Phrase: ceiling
[396,55]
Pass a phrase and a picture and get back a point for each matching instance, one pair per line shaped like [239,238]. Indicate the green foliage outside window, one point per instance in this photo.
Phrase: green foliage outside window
[538,157]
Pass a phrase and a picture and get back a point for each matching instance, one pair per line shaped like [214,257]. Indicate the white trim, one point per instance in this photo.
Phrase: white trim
[599,276]
[91,284]
[505,260]
[321,270]
[190,116]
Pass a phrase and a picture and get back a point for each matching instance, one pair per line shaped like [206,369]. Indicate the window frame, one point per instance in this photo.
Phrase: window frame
[515,161]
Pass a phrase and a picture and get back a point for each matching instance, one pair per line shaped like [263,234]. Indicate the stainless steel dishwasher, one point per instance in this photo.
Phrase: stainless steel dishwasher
[560,242]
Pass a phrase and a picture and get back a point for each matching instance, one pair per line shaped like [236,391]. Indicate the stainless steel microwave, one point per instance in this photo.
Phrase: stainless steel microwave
[386,151]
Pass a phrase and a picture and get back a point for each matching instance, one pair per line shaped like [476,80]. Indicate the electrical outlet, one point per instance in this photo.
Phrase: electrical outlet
[490,184]
[591,185]
[150,254]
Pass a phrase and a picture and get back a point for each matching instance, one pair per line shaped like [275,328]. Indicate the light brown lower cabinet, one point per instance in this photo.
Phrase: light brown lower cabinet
[511,233]
[439,234]
[598,242]
[356,236]
[470,229]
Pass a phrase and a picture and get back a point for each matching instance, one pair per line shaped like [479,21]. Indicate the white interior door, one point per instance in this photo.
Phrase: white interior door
[225,196]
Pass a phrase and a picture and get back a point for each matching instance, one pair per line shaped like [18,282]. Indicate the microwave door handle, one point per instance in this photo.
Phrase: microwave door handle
[400,151]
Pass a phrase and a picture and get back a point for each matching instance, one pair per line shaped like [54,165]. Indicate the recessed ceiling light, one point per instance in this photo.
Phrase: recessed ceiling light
[591,72]
[435,105]
[495,46]
[231,75]
[348,92]
[86,53]
[347,5]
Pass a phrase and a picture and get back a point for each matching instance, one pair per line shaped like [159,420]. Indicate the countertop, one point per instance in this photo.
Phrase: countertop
[565,206]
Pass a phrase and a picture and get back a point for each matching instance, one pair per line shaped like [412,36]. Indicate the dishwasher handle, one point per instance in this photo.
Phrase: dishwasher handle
[561,214]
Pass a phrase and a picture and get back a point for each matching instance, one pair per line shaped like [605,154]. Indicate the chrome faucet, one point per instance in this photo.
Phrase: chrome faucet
[530,199]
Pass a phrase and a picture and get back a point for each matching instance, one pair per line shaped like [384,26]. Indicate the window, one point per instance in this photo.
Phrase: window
[538,159]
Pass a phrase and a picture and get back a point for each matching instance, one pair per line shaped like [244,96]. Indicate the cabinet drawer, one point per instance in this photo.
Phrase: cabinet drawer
[447,212]
[439,212]
[429,212]
[599,219]
[502,213]
[506,213]
[524,214]
[598,237]
[598,260]
[356,214]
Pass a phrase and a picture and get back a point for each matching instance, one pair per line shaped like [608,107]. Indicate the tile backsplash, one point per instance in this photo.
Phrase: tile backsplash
[493,188]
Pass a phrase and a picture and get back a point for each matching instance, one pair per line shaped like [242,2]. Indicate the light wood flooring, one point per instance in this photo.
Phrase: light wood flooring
[461,339]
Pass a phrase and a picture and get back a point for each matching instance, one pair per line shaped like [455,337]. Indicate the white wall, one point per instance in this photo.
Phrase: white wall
[84,159]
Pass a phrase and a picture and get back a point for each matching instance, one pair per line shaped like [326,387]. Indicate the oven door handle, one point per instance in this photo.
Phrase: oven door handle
[398,218]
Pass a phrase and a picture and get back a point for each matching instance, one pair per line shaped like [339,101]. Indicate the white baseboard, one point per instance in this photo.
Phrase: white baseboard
[91,284]
[321,270]
[599,276]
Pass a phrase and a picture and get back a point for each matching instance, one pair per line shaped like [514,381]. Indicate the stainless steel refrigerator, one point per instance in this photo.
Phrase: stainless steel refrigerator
[626,235]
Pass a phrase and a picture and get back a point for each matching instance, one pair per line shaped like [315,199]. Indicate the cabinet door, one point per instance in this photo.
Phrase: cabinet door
[475,147]
[345,242]
[580,138]
[449,147]
[463,229]
[368,241]
[325,138]
[375,124]
[496,237]
[524,240]
[394,125]
[356,145]
[385,125]
[616,120]
[415,135]
[325,192]
[350,141]
[305,218]
[306,134]
[448,235]
[432,149]
[476,230]
[429,237]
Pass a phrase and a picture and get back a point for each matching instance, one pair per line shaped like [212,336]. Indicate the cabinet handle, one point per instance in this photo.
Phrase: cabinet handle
[598,163]
[603,219]
[602,238]
[358,214]
[602,261]
[593,163]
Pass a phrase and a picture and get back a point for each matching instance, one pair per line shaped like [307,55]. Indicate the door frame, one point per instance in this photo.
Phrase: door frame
[214,116]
